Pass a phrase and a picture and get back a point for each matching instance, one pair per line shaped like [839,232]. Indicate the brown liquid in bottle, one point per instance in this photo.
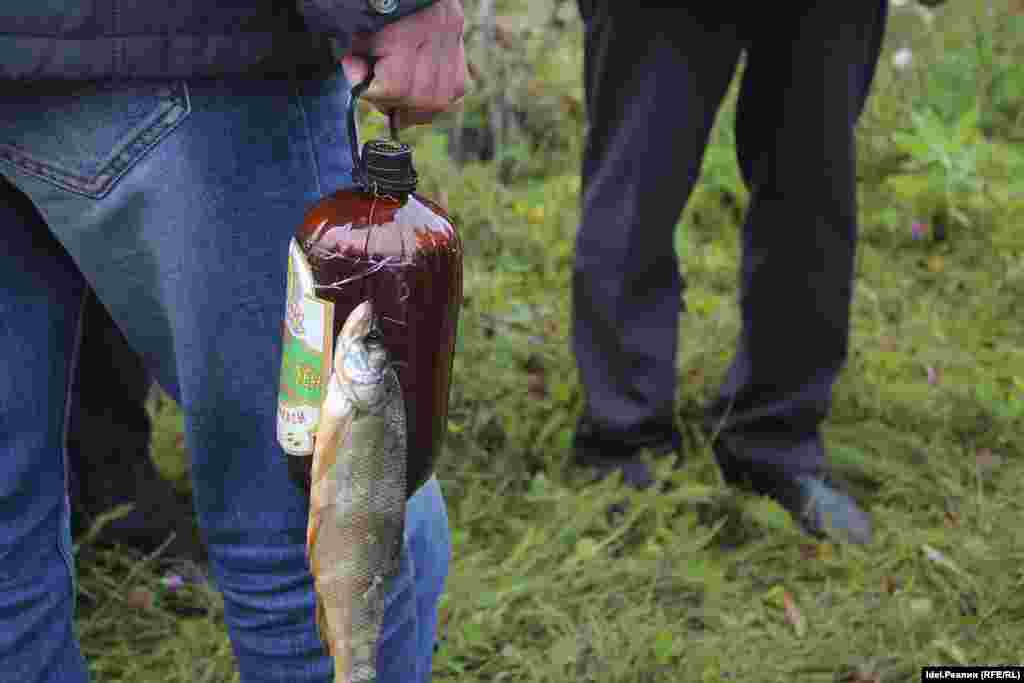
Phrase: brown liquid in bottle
[405,256]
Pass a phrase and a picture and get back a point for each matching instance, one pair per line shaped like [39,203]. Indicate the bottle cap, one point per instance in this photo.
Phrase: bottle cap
[389,167]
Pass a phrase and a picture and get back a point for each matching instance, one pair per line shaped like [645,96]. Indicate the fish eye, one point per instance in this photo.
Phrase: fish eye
[374,336]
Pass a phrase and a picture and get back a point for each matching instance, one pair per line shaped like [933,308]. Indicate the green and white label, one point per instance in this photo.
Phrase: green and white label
[306,359]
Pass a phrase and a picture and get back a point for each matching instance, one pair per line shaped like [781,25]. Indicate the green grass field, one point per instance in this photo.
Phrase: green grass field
[702,583]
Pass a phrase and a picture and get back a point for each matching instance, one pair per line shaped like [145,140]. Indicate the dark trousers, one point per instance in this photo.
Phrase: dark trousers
[108,444]
[655,78]
[108,428]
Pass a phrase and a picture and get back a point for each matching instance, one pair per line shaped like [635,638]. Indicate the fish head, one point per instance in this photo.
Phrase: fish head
[361,360]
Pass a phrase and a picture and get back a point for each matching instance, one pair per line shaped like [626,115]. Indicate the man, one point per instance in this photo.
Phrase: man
[655,77]
[161,156]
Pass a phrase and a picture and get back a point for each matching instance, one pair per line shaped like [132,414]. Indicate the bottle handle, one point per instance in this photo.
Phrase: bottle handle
[358,167]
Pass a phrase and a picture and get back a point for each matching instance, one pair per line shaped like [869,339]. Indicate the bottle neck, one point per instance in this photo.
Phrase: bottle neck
[385,166]
[387,169]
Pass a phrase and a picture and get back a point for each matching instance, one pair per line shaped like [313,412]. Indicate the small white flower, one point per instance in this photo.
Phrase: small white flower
[901,58]
[898,3]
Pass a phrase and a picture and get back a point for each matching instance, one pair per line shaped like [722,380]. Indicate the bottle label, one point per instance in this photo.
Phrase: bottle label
[307,356]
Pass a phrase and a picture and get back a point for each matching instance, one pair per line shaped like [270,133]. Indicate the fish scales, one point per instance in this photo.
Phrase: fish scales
[357,499]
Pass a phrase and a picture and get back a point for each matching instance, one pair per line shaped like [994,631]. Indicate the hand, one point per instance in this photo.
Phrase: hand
[421,66]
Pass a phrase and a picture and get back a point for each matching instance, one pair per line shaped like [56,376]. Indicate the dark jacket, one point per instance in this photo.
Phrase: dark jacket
[103,39]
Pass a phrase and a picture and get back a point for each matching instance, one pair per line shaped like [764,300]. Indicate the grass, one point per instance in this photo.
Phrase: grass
[702,583]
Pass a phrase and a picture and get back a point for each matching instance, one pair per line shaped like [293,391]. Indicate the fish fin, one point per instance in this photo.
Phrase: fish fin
[357,324]
[322,628]
[312,531]
[330,436]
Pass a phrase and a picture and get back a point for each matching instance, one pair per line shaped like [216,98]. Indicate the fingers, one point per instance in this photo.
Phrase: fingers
[421,67]
[392,82]
[356,68]
[459,70]
[423,81]
[444,81]
[451,60]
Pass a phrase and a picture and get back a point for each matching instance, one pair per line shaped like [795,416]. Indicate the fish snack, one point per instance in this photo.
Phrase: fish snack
[357,497]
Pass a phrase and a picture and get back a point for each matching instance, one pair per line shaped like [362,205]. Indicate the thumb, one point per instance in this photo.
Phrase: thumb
[356,69]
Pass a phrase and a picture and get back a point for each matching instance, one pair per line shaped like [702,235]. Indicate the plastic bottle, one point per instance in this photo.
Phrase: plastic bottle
[379,241]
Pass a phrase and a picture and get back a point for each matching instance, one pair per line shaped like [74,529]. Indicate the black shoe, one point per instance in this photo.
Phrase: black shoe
[158,511]
[636,473]
[604,455]
[148,527]
[814,501]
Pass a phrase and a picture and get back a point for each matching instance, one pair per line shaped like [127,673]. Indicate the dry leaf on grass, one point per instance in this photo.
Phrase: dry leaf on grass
[951,519]
[987,460]
[793,615]
[140,598]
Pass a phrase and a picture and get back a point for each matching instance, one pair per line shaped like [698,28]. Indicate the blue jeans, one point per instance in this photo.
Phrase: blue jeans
[175,202]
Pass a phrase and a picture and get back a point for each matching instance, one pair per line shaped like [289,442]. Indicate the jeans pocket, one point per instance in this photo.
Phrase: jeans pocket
[83,137]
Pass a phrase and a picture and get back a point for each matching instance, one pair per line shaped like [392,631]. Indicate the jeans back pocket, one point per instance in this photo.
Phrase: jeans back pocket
[83,137]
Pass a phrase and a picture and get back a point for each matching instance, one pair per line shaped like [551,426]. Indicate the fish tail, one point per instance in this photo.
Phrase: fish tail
[323,629]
